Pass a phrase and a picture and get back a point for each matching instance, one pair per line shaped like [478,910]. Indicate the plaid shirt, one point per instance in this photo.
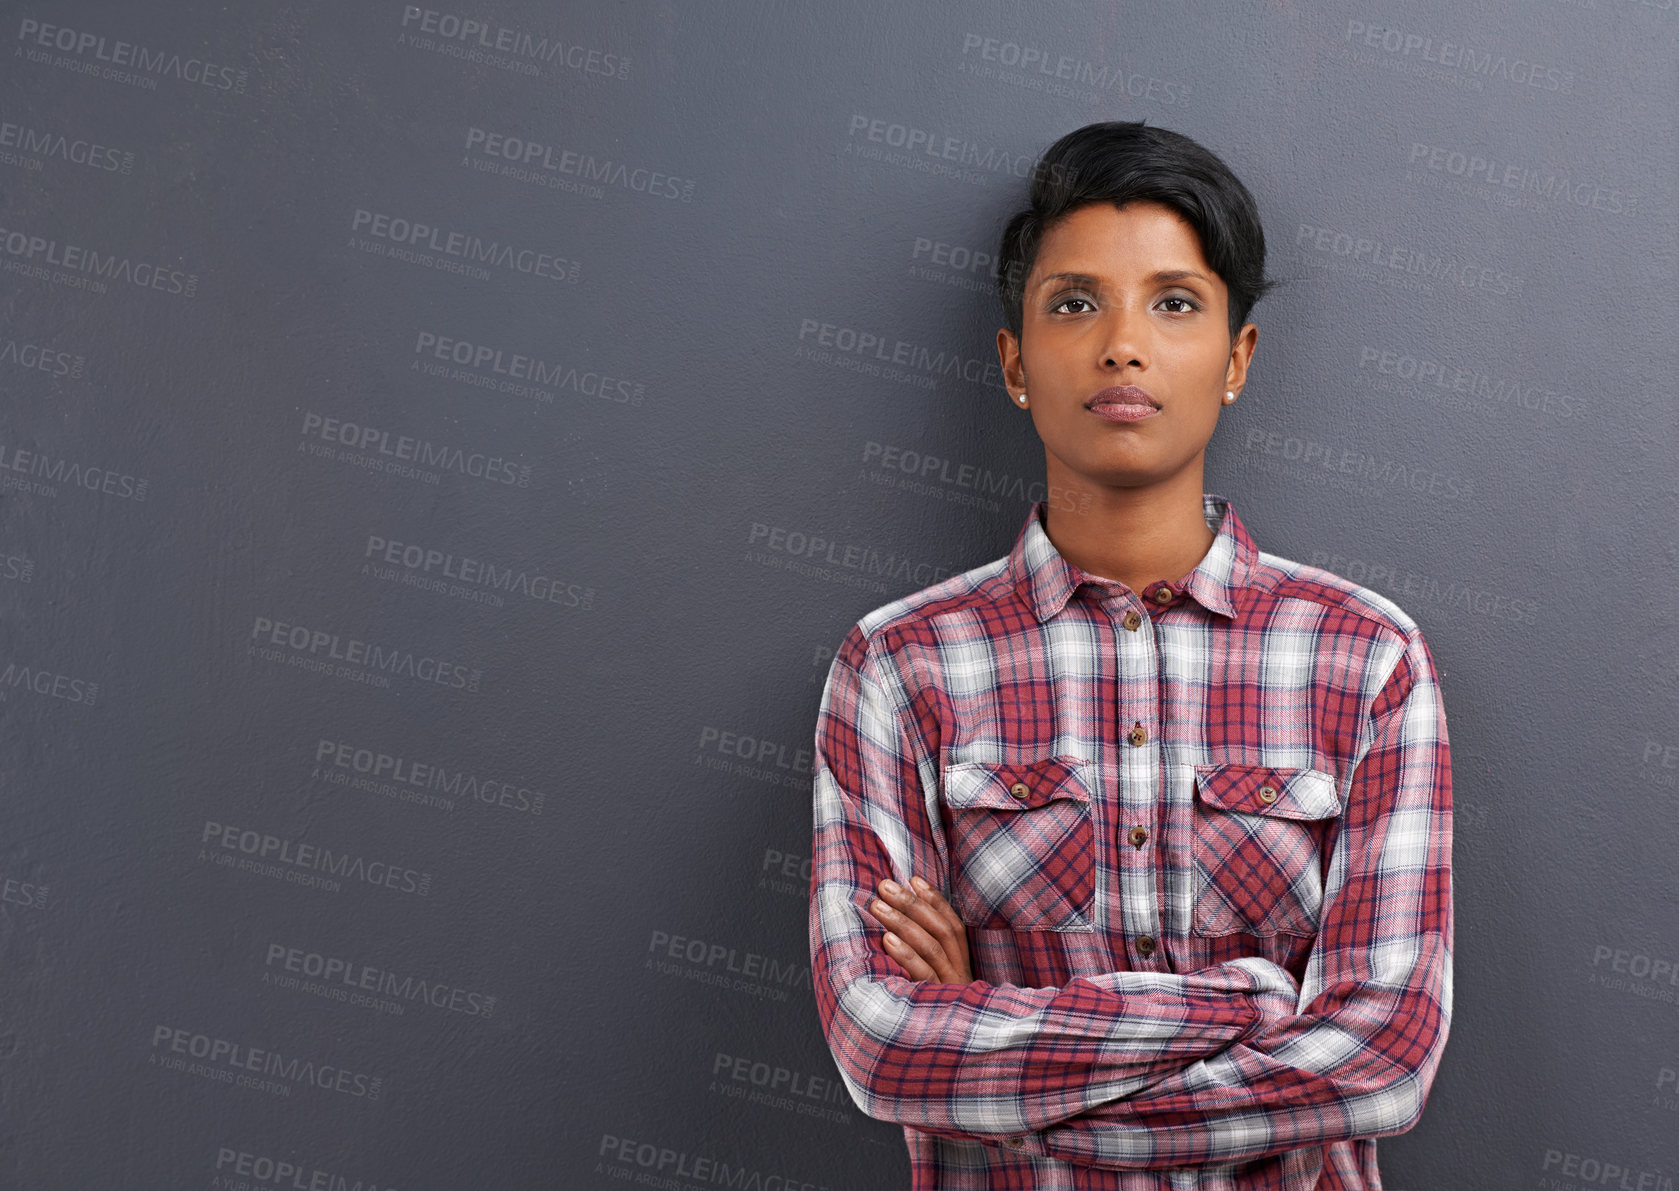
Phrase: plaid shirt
[1200,836]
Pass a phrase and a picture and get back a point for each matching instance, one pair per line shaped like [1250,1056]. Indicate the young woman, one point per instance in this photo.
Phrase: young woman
[1132,847]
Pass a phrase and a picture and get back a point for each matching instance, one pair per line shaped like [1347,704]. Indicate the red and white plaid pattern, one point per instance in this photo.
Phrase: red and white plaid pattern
[1204,858]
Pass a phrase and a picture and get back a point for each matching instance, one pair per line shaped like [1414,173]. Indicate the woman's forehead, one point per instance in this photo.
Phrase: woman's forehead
[1140,242]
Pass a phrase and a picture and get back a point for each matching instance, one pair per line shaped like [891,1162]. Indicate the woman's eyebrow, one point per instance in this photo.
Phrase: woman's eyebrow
[1075,278]
[1176,275]
[1156,278]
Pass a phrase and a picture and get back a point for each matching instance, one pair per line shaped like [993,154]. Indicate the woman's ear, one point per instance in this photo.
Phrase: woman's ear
[1241,355]
[1008,354]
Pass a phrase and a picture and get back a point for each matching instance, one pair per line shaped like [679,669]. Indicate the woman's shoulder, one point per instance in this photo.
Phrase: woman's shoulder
[963,594]
[1287,579]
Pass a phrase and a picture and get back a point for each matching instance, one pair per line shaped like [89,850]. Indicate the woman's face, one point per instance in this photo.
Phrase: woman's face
[1122,296]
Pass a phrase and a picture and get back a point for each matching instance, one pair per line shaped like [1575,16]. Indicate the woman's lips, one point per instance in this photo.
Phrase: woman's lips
[1123,413]
[1123,403]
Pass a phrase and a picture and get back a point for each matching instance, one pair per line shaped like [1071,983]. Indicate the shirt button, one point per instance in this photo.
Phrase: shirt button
[1019,790]
[1162,594]
[1017,1142]
[1133,621]
[1145,946]
[1139,735]
[1267,793]
[1139,836]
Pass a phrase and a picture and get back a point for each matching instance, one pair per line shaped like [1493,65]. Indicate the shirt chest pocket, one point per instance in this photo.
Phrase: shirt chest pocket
[1258,844]
[1022,845]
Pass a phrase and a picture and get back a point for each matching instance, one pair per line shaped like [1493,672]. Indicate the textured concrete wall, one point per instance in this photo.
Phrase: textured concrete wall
[416,425]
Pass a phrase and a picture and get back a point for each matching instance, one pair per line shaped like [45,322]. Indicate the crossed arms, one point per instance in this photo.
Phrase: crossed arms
[1133,1070]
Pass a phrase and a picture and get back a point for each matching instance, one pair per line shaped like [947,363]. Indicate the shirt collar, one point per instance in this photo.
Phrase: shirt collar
[1046,581]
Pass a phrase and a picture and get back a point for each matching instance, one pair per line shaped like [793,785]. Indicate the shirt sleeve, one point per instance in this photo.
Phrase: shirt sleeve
[990,1061]
[1359,1057]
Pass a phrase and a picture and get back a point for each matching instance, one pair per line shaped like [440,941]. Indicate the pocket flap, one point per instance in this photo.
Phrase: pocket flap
[1268,790]
[983,786]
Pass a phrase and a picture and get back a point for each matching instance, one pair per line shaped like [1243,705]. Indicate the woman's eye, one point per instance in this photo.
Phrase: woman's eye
[1065,302]
[1186,303]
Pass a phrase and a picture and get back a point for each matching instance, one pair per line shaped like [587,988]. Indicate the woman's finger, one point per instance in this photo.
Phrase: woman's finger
[913,965]
[937,910]
[911,932]
[923,889]
[954,927]
[915,910]
[912,962]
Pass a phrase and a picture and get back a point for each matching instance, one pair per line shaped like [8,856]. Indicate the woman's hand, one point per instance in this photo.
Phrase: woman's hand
[923,934]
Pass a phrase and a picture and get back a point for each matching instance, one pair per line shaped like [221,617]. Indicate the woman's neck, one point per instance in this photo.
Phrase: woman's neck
[1133,535]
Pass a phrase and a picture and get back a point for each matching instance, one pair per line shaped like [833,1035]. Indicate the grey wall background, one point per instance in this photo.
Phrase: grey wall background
[412,635]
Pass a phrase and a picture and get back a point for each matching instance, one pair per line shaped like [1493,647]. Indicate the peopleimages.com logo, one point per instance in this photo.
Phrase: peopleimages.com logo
[258,1171]
[269,1070]
[124,61]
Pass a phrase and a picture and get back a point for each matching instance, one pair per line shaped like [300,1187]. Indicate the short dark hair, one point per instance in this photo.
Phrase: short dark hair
[1118,162]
